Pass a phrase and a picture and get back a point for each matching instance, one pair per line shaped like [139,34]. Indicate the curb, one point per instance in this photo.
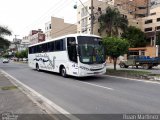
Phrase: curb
[140,80]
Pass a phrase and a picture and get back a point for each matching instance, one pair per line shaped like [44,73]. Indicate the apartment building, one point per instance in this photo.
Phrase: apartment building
[36,36]
[137,8]
[48,29]
[23,45]
[151,26]
[57,27]
[84,18]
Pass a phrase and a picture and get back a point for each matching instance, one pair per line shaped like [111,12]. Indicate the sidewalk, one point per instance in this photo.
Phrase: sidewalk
[15,104]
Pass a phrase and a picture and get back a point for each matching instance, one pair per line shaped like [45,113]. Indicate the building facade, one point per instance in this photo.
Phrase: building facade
[60,28]
[137,8]
[84,18]
[151,26]
[57,27]
[145,18]
[48,30]
[36,36]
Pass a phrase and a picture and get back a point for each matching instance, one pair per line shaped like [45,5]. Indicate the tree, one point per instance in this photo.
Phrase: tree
[135,37]
[4,42]
[6,55]
[112,21]
[24,53]
[115,47]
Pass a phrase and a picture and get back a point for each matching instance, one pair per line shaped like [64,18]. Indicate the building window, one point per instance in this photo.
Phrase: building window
[148,29]
[49,26]
[98,30]
[84,11]
[142,52]
[84,22]
[98,20]
[153,13]
[99,9]
[158,27]
[148,21]
[158,19]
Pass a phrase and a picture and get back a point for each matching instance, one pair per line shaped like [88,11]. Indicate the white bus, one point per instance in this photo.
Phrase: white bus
[75,54]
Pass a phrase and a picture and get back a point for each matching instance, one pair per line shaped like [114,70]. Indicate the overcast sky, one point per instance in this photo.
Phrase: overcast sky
[21,16]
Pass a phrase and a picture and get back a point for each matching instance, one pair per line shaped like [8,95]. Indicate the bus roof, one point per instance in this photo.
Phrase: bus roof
[69,35]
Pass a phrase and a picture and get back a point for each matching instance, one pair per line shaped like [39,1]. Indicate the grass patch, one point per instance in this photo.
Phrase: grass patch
[127,73]
[9,88]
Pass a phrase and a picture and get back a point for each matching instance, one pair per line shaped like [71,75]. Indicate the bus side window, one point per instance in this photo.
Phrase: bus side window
[40,49]
[72,50]
[30,50]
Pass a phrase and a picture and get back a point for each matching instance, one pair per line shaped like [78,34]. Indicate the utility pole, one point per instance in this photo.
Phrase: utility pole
[155,36]
[16,42]
[92,16]
[148,7]
[155,42]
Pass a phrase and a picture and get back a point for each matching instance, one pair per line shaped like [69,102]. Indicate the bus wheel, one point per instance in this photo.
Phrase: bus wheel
[37,67]
[63,72]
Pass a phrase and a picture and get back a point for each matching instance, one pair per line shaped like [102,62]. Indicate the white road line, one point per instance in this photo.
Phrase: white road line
[46,100]
[145,81]
[98,86]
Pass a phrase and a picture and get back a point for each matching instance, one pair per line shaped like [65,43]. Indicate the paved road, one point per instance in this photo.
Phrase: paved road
[93,95]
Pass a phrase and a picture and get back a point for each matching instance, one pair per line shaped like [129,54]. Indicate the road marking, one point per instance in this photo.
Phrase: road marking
[108,88]
[145,81]
[46,100]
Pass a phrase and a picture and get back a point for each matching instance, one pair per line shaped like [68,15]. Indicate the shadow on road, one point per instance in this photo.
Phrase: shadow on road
[94,79]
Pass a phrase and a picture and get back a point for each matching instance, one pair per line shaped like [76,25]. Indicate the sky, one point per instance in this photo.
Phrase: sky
[21,16]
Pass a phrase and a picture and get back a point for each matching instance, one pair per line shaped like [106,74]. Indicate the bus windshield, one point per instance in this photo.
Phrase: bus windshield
[90,50]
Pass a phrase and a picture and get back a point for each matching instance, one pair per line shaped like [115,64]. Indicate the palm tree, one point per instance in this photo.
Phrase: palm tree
[112,21]
[4,42]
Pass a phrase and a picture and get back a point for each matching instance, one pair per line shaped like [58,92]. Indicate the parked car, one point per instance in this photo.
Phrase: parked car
[5,60]
[144,61]
[25,59]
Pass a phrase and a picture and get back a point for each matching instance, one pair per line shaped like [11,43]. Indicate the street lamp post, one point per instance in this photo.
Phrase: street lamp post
[16,42]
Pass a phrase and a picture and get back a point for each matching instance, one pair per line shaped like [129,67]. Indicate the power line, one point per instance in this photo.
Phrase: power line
[85,26]
[89,24]
[56,9]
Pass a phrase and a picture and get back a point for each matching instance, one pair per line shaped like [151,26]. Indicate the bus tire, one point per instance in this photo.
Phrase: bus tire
[37,67]
[63,72]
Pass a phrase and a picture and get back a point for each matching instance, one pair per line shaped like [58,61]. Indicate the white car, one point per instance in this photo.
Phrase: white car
[5,60]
